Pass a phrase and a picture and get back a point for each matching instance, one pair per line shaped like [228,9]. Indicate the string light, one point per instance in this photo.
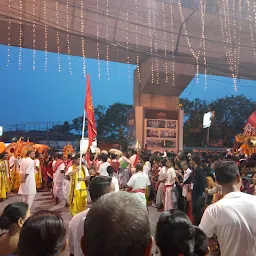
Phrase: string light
[127,46]
[82,38]
[98,48]
[45,38]
[165,46]
[107,31]
[203,13]
[20,35]
[196,56]
[251,26]
[57,33]
[34,37]
[68,36]
[137,40]
[156,48]
[172,45]
[151,41]
[9,37]
[232,52]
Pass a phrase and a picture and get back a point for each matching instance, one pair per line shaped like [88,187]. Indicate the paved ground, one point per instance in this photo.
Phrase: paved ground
[44,201]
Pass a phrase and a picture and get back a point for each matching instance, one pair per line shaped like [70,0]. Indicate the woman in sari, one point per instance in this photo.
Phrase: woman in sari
[38,172]
[16,175]
[78,193]
[3,178]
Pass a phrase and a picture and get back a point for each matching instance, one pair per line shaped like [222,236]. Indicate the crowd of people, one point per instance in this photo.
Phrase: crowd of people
[206,200]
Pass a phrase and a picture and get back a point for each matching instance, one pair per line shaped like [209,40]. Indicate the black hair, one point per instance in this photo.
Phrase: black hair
[28,153]
[117,224]
[2,155]
[110,170]
[99,186]
[226,172]
[59,156]
[139,167]
[37,154]
[12,213]
[145,157]
[76,156]
[176,235]
[104,157]
[163,161]
[113,155]
[201,245]
[196,159]
[70,156]
[43,234]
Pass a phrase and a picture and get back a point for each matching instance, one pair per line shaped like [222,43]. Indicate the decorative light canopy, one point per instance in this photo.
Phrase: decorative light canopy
[159,35]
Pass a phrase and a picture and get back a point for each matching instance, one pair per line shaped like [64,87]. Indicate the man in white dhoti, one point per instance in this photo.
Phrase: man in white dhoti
[138,184]
[58,178]
[28,184]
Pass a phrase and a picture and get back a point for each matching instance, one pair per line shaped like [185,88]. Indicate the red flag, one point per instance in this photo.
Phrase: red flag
[92,131]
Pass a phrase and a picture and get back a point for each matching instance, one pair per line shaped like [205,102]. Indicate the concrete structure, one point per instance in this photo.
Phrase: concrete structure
[136,32]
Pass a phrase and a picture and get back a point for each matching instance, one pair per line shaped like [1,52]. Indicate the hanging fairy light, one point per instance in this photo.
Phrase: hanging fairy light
[127,46]
[107,57]
[251,21]
[165,46]
[151,40]
[203,13]
[82,38]
[9,37]
[98,48]
[137,40]
[57,33]
[231,37]
[45,38]
[172,45]
[20,34]
[155,45]
[68,36]
[34,36]
[195,55]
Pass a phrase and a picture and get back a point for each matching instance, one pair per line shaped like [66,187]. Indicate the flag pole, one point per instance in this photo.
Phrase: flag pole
[81,153]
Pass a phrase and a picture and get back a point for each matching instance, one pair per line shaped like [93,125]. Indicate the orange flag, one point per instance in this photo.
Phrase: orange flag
[92,131]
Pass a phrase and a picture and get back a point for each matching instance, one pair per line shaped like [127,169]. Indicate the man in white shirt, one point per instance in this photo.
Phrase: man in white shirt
[28,184]
[99,186]
[103,167]
[232,219]
[138,184]
[59,172]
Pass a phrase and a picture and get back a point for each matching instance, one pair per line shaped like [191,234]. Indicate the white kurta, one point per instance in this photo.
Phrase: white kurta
[139,181]
[27,167]
[58,182]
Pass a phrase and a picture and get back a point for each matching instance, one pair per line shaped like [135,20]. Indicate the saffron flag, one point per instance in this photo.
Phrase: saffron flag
[92,131]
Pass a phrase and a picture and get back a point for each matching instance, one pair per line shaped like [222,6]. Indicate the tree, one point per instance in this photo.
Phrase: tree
[116,121]
[99,113]
[77,124]
[66,127]
[231,114]
[194,134]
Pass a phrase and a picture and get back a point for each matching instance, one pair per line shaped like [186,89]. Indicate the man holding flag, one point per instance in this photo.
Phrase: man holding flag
[77,172]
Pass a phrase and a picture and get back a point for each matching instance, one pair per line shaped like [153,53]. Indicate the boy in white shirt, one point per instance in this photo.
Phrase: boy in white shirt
[138,184]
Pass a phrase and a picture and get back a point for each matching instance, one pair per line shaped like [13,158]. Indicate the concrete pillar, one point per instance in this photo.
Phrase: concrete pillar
[159,120]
